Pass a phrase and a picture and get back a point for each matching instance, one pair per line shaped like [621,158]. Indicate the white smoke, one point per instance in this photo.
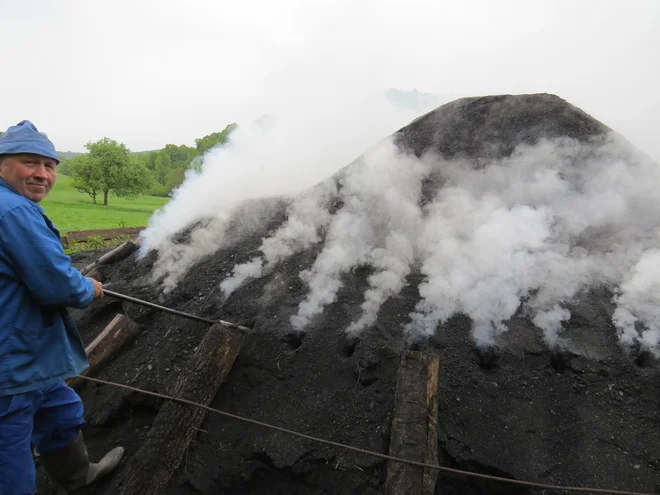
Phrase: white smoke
[241,273]
[544,224]
[296,150]
[392,263]
[526,233]
[639,301]
[306,217]
[377,224]
[551,323]
[229,225]
[479,259]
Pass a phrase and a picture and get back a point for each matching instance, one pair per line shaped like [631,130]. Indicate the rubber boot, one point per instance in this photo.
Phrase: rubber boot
[70,468]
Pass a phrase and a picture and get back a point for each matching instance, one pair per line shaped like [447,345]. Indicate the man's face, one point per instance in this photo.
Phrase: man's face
[31,175]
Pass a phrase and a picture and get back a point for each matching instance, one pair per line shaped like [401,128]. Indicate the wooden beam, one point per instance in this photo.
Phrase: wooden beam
[414,425]
[176,425]
[119,332]
[84,235]
[117,254]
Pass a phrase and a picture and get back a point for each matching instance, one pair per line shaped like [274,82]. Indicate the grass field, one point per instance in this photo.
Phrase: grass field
[70,210]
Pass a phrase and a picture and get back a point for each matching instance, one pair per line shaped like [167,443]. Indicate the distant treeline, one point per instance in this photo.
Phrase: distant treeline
[110,166]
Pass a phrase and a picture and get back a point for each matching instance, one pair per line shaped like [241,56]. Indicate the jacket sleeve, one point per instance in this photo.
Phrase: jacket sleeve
[38,259]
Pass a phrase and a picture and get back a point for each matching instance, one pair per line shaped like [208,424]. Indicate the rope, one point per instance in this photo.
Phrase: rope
[386,457]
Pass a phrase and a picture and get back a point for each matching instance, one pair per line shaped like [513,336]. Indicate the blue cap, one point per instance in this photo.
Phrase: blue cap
[25,138]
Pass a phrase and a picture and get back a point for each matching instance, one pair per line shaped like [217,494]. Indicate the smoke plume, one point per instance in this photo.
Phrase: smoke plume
[293,152]
[306,217]
[376,226]
[523,234]
[542,225]
[639,301]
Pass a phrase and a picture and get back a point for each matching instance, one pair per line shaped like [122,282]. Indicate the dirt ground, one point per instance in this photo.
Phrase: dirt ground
[586,417]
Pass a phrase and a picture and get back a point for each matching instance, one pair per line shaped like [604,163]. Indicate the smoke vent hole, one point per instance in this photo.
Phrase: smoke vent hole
[559,361]
[294,339]
[365,381]
[644,358]
[263,458]
[414,345]
[350,344]
[487,357]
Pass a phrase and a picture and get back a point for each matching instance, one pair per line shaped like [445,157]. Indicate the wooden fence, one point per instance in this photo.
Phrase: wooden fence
[107,234]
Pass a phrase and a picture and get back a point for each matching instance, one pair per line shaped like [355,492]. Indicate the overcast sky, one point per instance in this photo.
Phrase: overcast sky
[148,73]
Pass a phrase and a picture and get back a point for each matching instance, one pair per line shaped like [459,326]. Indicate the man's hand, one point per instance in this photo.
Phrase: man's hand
[98,288]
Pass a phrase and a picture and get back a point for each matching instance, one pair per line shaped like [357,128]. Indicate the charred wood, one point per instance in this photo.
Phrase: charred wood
[119,253]
[177,423]
[119,332]
[414,425]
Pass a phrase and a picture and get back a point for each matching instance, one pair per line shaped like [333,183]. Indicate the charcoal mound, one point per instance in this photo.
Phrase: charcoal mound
[493,126]
[585,415]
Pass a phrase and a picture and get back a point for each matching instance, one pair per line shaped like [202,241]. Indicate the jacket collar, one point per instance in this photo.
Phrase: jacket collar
[3,183]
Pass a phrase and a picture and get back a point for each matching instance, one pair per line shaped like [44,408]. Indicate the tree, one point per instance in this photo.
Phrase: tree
[176,178]
[109,167]
[134,181]
[148,159]
[84,179]
[64,166]
[207,142]
[142,158]
[181,156]
[163,166]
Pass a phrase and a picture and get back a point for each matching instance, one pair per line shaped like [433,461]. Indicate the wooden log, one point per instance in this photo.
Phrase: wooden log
[119,332]
[96,274]
[176,424]
[117,254]
[414,425]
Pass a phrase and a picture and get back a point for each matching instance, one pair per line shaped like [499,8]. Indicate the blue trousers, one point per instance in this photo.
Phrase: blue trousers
[48,418]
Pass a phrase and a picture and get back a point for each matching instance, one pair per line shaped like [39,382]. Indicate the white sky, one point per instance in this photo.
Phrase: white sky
[148,73]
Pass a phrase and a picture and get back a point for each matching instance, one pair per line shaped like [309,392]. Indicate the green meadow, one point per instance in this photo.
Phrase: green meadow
[71,210]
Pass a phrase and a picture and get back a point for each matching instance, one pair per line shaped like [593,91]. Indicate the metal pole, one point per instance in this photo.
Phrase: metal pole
[227,324]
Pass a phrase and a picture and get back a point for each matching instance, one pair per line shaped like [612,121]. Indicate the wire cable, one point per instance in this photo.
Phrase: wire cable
[531,484]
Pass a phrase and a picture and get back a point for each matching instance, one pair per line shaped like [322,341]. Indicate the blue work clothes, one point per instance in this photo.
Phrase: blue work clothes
[48,418]
[39,342]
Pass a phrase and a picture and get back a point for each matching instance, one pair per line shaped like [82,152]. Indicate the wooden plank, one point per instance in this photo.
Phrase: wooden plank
[119,253]
[433,372]
[119,332]
[414,425]
[176,424]
[84,235]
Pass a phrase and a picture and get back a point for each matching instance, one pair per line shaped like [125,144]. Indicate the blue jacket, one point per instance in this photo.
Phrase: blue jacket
[39,342]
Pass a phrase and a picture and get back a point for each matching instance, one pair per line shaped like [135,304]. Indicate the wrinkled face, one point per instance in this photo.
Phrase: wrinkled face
[31,175]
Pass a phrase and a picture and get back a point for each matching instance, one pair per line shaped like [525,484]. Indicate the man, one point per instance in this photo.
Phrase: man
[39,344]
